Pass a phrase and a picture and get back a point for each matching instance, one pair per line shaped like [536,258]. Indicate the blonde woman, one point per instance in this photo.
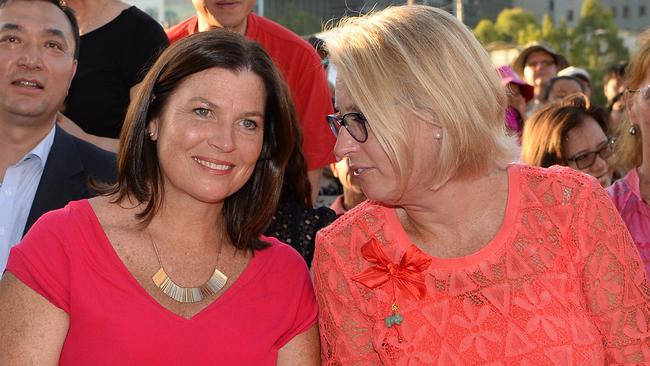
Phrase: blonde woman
[459,257]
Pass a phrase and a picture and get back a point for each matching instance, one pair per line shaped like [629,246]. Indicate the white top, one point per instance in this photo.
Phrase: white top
[17,193]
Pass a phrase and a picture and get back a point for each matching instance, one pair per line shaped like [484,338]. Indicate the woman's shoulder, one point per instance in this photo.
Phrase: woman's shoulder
[560,181]
[356,225]
[280,255]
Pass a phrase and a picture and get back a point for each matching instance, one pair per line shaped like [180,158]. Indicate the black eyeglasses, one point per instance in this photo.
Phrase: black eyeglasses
[586,159]
[354,122]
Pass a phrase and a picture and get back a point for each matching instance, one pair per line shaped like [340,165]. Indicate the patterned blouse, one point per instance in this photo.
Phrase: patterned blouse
[561,283]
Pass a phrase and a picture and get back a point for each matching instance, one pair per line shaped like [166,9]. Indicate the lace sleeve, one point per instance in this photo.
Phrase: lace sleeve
[345,329]
[614,281]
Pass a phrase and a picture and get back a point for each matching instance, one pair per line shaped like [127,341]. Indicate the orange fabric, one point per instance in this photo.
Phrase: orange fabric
[560,284]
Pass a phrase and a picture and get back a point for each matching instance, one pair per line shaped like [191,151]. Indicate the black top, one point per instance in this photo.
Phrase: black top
[297,226]
[112,59]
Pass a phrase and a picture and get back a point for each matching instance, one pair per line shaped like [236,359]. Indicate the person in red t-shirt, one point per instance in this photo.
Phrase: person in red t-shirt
[296,59]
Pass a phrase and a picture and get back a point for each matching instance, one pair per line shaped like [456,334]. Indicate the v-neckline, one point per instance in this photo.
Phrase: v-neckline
[248,272]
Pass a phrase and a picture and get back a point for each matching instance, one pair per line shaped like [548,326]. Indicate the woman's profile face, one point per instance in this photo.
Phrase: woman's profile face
[210,134]
[371,166]
[588,149]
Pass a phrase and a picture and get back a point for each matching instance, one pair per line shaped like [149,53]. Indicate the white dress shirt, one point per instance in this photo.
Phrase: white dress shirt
[17,192]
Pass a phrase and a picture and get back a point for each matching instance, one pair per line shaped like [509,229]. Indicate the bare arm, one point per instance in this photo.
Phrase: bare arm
[314,179]
[302,350]
[33,330]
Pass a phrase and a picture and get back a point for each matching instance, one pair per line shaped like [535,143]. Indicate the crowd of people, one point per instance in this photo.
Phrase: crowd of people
[158,189]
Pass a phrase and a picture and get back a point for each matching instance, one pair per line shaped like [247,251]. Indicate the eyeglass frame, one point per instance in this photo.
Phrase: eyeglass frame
[643,91]
[333,120]
[609,146]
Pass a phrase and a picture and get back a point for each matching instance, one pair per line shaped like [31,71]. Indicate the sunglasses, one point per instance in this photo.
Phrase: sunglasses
[354,122]
[586,159]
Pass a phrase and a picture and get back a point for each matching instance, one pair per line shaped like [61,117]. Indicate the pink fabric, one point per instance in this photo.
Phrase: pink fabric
[560,284]
[67,258]
[626,195]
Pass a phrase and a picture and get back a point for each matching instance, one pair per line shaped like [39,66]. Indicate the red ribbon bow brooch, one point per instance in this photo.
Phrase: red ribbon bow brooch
[406,276]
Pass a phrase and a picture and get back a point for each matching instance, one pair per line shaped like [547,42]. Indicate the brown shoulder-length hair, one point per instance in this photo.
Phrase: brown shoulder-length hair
[547,129]
[248,211]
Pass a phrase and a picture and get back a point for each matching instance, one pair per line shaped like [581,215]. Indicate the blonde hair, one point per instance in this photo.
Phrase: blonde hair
[421,59]
[629,147]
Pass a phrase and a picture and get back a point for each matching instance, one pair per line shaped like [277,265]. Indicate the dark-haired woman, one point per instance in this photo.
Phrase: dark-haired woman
[572,133]
[168,267]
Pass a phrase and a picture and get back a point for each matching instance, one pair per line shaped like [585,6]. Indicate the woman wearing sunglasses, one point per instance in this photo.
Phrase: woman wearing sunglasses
[573,133]
[631,194]
[459,257]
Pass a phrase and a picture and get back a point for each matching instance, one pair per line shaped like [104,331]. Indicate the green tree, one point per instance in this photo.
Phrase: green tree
[513,24]
[486,32]
[596,43]
[298,20]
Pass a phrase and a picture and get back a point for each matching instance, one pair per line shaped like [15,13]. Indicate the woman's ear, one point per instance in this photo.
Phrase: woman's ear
[152,129]
[632,116]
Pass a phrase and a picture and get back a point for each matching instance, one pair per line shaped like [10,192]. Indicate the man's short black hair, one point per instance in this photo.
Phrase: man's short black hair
[69,13]
[614,71]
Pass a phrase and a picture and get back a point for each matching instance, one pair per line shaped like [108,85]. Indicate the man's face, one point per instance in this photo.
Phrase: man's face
[229,14]
[540,67]
[36,59]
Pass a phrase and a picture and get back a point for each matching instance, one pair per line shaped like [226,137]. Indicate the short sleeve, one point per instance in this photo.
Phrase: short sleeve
[302,301]
[146,41]
[40,260]
[614,281]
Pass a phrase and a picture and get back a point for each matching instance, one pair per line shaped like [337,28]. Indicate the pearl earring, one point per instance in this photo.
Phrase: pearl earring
[438,136]
[632,130]
[151,134]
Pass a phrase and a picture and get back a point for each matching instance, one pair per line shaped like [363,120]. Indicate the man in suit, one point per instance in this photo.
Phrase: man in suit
[41,167]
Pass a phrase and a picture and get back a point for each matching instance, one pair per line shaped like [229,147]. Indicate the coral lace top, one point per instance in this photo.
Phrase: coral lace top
[560,284]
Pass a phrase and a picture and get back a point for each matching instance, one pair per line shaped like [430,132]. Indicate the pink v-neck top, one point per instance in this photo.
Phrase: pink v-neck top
[561,283]
[67,258]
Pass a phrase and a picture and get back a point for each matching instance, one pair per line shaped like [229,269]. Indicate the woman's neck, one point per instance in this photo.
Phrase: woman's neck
[92,14]
[459,218]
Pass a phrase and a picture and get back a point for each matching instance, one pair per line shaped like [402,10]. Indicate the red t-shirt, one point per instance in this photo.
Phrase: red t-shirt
[302,69]
[67,258]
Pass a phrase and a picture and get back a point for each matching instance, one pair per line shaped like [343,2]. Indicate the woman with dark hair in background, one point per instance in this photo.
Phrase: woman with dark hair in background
[572,133]
[168,266]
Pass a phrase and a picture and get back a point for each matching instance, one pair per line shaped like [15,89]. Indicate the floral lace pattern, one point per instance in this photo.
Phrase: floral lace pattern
[561,284]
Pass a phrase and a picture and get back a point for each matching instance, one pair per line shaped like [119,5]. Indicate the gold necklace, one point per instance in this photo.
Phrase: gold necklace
[187,294]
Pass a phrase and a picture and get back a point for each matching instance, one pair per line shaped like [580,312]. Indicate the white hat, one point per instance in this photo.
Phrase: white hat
[575,72]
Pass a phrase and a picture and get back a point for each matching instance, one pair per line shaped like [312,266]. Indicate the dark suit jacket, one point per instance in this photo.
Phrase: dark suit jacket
[65,177]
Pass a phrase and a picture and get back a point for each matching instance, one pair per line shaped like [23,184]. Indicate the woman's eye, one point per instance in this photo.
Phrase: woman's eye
[249,124]
[202,112]
[10,39]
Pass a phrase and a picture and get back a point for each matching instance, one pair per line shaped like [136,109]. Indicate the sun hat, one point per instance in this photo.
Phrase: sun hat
[508,76]
[576,72]
[520,61]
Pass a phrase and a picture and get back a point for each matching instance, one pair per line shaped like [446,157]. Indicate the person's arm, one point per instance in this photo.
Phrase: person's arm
[32,330]
[72,128]
[614,282]
[303,349]
[314,177]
